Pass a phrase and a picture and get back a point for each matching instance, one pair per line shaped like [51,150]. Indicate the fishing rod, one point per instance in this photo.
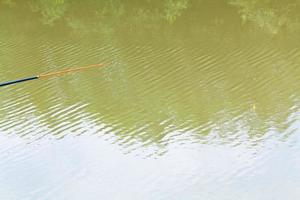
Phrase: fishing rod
[50,74]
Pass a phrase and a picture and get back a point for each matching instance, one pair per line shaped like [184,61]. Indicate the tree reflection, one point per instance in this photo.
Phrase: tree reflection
[110,16]
[269,15]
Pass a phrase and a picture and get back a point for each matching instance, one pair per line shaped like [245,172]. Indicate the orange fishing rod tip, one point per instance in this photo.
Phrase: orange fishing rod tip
[68,70]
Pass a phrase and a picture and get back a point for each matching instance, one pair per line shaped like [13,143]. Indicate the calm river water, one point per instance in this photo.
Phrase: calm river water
[199,100]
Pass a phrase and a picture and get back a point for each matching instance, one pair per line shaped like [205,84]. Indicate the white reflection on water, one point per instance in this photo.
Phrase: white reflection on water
[91,167]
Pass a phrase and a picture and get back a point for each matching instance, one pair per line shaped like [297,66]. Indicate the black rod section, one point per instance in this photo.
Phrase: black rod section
[18,81]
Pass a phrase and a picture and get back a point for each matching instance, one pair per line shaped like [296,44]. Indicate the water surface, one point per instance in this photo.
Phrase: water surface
[200,100]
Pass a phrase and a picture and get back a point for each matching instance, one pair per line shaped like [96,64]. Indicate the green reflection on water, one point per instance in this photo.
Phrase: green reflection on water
[221,67]
[114,15]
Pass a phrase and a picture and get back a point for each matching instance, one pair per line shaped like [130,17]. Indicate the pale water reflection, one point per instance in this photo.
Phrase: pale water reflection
[200,100]
[89,167]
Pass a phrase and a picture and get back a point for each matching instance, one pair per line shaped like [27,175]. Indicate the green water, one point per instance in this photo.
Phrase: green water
[199,100]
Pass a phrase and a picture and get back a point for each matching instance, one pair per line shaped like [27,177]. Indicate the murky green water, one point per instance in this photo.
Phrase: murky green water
[200,100]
